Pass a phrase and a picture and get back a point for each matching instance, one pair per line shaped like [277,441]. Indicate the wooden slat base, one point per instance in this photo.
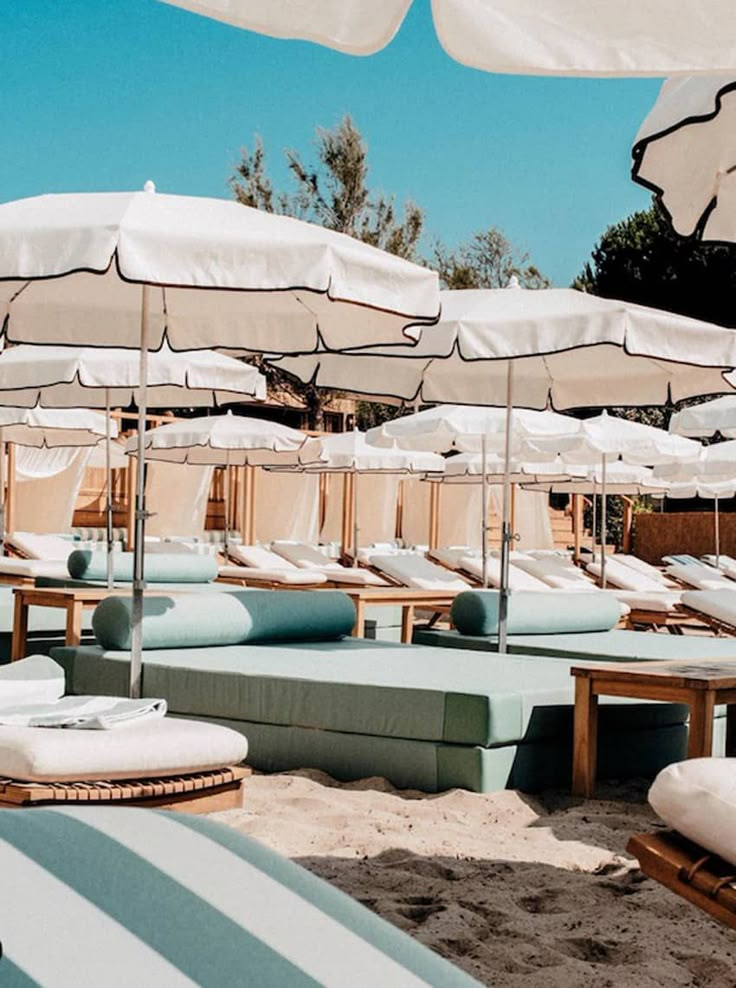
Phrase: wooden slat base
[201,792]
[703,879]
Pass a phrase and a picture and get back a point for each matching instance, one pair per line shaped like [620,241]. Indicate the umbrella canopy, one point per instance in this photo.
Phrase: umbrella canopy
[467,468]
[565,37]
[220,440]
[563,344]
[65,376]
[349,452]
[469,428]
[707,419]
[709,489]
[612,437]
[52,427]
[685,152]
[621,478]
[717,462]
[221,274]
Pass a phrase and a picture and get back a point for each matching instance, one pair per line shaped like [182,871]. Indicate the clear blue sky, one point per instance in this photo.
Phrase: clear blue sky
[101,95]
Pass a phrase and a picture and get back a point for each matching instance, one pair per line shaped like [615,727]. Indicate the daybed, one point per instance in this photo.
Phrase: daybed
[279,667]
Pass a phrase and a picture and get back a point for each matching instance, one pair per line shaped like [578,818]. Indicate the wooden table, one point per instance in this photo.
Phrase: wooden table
[406,599]
[73,600]
[700,684]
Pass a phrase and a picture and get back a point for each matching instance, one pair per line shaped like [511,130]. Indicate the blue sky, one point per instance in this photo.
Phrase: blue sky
[104,95]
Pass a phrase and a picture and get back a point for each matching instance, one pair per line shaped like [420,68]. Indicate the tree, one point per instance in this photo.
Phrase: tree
[487,260]
[332,192]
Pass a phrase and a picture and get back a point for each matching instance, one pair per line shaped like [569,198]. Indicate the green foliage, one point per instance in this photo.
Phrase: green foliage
[487,260]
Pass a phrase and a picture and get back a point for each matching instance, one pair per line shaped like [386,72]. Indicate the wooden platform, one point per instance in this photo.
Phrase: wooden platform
[201,792]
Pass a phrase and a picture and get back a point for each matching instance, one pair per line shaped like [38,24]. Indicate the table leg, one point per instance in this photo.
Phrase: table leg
[20,629]
[74,623]
[700,733]
[731,730]
[407,623]
[585,738]
[359,626]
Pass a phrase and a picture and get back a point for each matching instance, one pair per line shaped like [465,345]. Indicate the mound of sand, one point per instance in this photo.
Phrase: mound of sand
[514,889]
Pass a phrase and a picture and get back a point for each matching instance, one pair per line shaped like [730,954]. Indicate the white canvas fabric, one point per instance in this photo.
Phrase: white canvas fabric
[237,440]
[700,577]
[568,38]
[286,506]
[417,572]
[626,577]
[52,427]
[35,679]
[684,152]
[47,504]
[698,799]
[350,452]
[89,713]
[279,577]
[715,465]
[44,547]
[222,275]
[184,514]
[570,342]
[64,377]
[142,749]
[706,419]
[621,478]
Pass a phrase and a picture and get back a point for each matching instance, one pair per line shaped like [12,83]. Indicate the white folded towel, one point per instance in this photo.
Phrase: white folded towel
[99,713]
[37,679]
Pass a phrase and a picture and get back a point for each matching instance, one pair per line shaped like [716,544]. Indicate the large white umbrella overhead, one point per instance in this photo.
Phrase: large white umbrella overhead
[533,348]
[560,37]
[685,152]
[221,440]
[707,419]
[350,453]
[135,269]
[64,376]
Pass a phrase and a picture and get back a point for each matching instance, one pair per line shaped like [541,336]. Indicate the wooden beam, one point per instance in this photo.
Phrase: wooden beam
[628,524]
[10,496]
[577,524]
[132,480]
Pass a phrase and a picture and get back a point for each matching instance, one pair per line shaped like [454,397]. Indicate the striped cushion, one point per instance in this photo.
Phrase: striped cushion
[138,897]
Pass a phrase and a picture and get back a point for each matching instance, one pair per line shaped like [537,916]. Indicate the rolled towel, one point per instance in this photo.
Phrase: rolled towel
[98,713]
[37,679]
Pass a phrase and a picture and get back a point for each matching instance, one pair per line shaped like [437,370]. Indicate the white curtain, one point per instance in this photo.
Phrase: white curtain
[377,495]
[531,517]
[48,482]
[286,507]
[177,495]
[415,515]
[460,515]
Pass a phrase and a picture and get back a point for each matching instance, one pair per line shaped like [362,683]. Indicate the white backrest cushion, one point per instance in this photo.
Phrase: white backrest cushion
[417,572]
[47,547]
[259,557]
[304,556]
[625,577]
[699,576]
[518,579]
[556,573]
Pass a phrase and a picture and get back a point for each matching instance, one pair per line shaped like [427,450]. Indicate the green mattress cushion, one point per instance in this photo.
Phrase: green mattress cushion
[475,612]
[160,567]
[363,687]
[207,620]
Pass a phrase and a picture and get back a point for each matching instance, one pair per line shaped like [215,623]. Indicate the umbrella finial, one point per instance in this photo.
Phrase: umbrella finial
[149,186]
[513,282]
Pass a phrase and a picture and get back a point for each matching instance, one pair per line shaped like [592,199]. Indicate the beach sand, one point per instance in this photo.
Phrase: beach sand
[517,890]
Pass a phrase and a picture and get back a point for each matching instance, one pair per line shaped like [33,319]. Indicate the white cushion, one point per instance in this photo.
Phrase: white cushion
[719,604]
[160,746]
[518,579]
[44,547]
[32,568]
[663,602]
[698,799]
[699,576]
[36,679]
[556,572]
[633,562]
[451,556]
[285,577]
[626,577]
[418,573]
[303,555]
[258,556]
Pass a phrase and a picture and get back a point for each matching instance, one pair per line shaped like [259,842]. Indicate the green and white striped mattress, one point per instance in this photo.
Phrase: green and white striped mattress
[109,896]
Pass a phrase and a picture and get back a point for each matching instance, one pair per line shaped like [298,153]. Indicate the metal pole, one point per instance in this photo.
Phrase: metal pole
[136,650]
[484,509]
[604,533]
[2,494]
[593,541]
[108,486]
[226,498]
[506,533]
[356,529]
[717,531]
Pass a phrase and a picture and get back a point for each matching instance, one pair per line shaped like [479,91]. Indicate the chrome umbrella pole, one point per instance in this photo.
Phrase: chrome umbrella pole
[717,526]
[108,486]
[226,499]
[484,510]
[506,533]
[593,541]
[604,533]
[136,650]
[356,527]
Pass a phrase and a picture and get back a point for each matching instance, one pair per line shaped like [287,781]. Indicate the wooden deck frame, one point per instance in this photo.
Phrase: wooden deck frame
[704,879]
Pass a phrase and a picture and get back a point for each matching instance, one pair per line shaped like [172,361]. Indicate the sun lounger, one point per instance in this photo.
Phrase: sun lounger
[557,573]
[305,557]
[726,564]
[697,858]
[356,708]
[129,897]
[415,571]
[256,566]
[699,576]
[641,566]
[716,608]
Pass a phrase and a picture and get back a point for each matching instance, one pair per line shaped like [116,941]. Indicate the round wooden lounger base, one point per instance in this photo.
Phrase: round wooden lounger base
[201,792]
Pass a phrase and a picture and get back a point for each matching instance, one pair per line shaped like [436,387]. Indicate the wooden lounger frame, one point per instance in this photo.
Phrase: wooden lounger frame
[702,878]
[721,628]
[200,792]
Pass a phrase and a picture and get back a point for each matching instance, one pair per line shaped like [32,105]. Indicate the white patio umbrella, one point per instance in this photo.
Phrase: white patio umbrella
[606,438]
[221,440]
[350,453]
[564,37]
[536,348]
[716,461]
[467,468]
[135,269]
[709,488]
[685,152]
[707,419]
[483,428]
[46,428]
[63,376]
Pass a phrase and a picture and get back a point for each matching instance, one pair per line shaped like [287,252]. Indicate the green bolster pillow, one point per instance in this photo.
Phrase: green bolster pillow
[160,567]
[195,620]
[475,612]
